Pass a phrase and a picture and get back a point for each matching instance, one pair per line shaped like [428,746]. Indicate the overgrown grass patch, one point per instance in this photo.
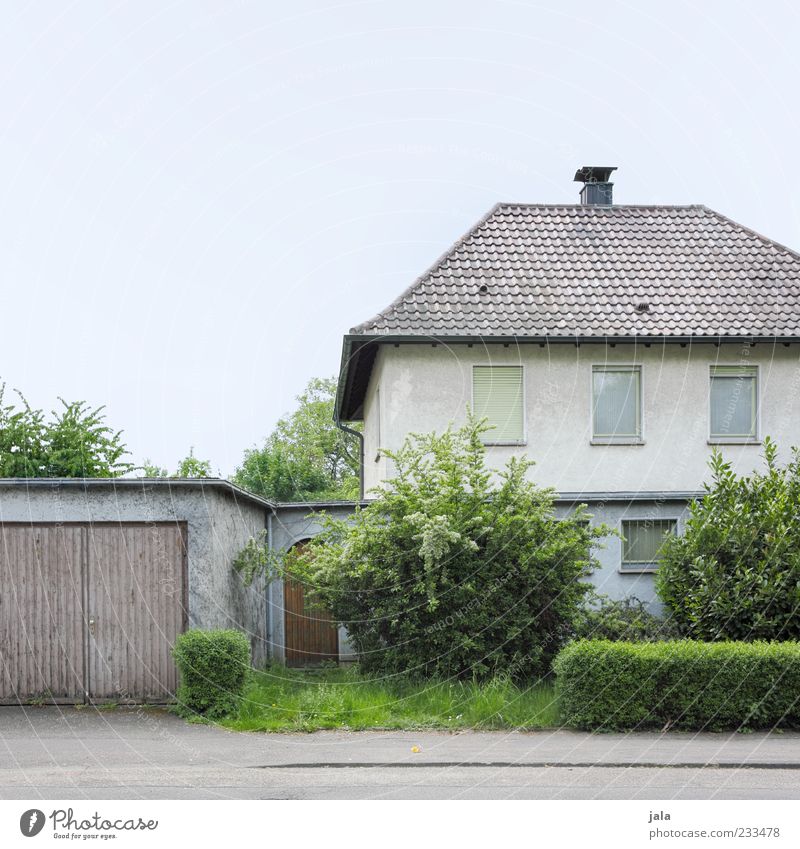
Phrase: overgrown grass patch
[280,699]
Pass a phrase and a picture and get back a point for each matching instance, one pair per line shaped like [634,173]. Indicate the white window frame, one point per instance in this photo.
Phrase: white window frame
[620,439]
[488,441]
[378,437]
[639,567]
[723,439]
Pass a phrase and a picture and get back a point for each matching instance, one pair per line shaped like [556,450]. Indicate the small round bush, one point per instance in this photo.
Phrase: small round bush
[213,668]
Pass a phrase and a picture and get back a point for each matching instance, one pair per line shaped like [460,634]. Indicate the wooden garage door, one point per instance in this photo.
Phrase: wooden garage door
[90,611]
[42,631]
[311,634]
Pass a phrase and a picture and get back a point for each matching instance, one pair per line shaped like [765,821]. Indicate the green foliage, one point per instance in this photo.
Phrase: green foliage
[622,619]
[23,449]
[735,574]
[306,457]
[213,668]
[191,467]
[681,684]
[280,699]
[74,443]
[256,559]
[152,470]
[449,572]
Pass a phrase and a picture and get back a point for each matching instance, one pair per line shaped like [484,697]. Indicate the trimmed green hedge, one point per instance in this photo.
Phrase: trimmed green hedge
[213,668]
[682,684]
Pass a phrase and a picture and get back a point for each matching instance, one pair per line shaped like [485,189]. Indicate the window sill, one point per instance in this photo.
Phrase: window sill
[637,570]
[504,444]
[734,440]
[621,440]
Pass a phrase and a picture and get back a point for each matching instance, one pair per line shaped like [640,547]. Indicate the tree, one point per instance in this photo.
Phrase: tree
[75,442]
[452,571]
[735,573]
[306,457]
[191,467]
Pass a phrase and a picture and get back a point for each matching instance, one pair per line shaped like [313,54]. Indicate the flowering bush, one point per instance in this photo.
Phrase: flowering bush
[453,571]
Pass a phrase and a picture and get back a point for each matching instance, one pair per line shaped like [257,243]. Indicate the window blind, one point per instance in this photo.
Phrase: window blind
[617,401]
[643,540]
[497,395]
[733,405]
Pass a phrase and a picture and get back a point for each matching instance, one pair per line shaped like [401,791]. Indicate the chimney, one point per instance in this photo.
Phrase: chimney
[596,191]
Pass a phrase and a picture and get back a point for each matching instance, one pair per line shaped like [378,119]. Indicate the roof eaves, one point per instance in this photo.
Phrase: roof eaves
[220,484]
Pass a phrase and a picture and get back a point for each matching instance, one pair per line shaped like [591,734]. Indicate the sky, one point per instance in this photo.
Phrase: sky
[198,199]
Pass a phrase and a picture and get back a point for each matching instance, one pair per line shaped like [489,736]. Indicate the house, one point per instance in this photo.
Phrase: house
[615,346]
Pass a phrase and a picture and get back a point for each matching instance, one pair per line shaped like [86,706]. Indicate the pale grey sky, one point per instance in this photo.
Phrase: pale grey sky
[199,198]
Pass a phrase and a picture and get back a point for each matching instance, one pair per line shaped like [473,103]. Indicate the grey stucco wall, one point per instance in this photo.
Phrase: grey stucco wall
[420,388]
[218,526]
[609,579]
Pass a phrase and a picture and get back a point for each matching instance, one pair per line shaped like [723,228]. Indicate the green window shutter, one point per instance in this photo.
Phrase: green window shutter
[497,395]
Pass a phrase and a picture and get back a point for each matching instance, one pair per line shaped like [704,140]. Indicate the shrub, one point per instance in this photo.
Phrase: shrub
[623,619]
[452,571]
[213,668]
[735,573]
[681,684]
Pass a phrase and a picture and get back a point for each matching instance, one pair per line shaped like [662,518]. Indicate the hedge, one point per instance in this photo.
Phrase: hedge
[682,684]
[213,668]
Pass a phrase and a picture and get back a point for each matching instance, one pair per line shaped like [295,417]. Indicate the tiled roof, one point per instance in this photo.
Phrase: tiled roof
[528,270]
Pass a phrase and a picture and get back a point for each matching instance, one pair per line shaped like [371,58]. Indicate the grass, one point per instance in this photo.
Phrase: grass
[280,699]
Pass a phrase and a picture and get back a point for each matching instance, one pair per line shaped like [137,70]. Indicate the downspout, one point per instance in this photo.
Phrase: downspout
[360,436]
[270,618]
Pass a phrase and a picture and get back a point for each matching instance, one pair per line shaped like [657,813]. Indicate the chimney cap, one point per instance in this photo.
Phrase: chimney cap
[594,173]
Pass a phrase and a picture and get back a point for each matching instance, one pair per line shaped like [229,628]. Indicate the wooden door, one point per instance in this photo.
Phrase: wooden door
[42,625]
[135,610]
[312,636]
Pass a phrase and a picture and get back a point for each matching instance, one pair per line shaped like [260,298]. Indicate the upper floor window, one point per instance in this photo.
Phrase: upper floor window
[616,404]
[643,540]
[498,395]
[733,404]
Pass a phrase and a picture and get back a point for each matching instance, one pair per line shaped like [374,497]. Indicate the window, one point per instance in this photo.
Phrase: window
[616,404]
[497,395]
[733,406]
[643,538]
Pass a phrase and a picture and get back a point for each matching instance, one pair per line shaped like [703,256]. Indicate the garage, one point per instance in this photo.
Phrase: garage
[98,578]
[91,611]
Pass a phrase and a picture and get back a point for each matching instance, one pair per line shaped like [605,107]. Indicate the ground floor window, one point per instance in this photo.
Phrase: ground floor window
[643,540]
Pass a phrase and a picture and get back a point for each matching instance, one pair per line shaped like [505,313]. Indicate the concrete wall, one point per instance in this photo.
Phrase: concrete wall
[423,388]
[218,526]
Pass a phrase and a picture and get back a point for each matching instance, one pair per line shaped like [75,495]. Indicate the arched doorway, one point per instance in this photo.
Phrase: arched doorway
[312,636]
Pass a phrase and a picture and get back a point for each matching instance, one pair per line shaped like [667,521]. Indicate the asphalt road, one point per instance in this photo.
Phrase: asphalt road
[53,753]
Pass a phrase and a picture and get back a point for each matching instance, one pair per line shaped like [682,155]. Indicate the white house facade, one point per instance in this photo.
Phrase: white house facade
[615,346]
